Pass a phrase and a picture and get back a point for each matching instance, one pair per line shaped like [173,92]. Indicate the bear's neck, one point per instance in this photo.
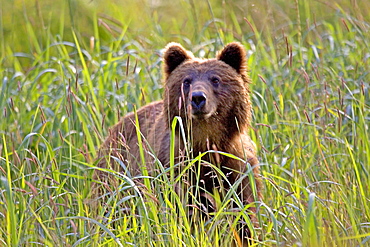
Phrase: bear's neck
[213,135]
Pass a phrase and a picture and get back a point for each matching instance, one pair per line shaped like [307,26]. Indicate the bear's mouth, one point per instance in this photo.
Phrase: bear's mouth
[199,115]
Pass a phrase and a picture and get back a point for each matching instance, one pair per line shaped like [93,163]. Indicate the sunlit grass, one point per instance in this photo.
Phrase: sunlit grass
[69,73]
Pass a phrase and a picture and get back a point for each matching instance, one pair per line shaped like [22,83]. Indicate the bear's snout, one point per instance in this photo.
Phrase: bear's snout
[198,101]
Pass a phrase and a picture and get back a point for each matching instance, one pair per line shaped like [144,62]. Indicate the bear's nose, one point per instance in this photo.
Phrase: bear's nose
[198,100]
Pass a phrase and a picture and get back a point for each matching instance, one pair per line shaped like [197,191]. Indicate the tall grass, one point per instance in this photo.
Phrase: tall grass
[69,71]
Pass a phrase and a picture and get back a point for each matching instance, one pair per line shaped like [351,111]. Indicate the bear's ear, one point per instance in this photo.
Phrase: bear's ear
[234,55]
[174,55]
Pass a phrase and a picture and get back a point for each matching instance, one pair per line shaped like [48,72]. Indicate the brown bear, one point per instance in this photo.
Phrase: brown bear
[211,96]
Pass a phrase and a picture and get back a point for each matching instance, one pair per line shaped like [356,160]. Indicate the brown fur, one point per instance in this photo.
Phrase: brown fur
[221,123]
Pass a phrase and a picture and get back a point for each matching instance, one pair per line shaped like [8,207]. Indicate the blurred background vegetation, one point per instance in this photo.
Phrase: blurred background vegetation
[155,23]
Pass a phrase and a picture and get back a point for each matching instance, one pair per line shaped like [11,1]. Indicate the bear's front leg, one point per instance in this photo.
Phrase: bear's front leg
[248,172]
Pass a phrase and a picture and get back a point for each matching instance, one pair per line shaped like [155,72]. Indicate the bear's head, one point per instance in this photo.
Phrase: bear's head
[210,94]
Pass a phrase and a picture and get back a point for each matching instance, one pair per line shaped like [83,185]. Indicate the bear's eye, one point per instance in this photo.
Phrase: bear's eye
[187,82]
[215,81]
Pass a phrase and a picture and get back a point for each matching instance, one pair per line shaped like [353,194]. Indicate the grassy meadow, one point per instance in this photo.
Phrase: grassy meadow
[70,69]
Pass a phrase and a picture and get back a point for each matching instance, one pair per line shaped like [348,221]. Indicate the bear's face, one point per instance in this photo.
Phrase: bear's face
[207,90]
[205,87]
